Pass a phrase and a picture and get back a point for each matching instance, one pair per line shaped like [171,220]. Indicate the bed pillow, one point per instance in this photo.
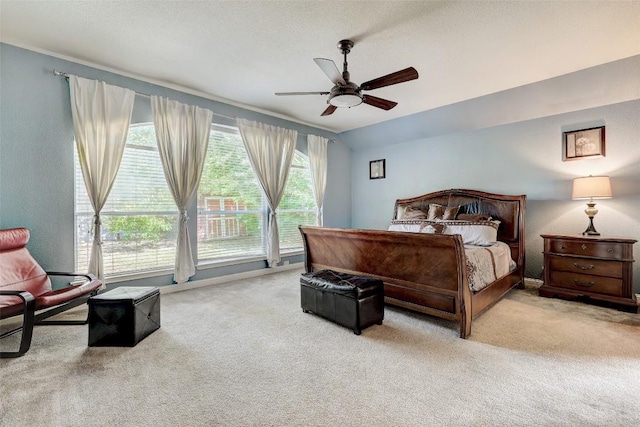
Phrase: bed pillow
[400,212]
[412,213]
[478,233]
[439,212]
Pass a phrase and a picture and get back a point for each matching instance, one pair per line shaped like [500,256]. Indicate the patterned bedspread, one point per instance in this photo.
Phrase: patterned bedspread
[486,264]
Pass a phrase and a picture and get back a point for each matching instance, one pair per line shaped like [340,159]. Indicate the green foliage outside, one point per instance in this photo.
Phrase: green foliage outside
[144,135]
[227,173]
[140,227]
[298,193]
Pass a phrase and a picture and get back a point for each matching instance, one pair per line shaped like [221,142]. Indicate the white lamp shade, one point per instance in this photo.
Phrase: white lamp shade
[591,187]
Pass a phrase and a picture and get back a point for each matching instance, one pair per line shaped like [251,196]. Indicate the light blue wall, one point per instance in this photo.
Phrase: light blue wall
[36,154]
[521,157]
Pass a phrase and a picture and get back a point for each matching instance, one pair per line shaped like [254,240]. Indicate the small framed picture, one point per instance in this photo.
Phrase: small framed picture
[376,169]
[583,144]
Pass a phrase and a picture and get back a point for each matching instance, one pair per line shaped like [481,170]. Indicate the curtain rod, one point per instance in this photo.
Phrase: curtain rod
[144,95]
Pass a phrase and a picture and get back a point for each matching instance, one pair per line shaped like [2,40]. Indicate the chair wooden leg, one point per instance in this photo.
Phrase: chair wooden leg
[27,324]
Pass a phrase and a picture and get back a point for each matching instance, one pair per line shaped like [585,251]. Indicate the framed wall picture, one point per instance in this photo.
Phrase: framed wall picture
[377,169]
[583,144]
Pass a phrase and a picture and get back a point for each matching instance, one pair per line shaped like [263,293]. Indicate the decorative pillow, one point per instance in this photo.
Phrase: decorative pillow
[411,213]
[478,233]
[473,217]
[432,228]
[439,212]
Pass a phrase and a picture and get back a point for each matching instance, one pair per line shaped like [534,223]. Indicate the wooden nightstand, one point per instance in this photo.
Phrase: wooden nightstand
[591,268]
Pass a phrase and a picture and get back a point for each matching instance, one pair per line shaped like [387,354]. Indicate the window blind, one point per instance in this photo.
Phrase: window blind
[231,214]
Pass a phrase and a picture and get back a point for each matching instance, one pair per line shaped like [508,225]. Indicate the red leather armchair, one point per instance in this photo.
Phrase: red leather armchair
[25,288]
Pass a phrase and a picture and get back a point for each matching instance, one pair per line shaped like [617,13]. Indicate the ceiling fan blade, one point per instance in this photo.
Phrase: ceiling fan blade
[301,93]
[391,79]
[385,104]
[331,70]
[330,109]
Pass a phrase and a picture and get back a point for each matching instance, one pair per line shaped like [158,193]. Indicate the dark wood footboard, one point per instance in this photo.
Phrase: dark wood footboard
[421,272]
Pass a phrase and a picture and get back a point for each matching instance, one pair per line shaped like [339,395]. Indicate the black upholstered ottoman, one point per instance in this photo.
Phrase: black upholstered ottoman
[356,302]
[124,316]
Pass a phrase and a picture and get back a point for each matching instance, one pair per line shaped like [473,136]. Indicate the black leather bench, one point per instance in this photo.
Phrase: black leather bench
[355,302]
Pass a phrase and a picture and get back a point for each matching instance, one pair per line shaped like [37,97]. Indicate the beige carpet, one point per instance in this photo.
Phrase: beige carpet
[244,354]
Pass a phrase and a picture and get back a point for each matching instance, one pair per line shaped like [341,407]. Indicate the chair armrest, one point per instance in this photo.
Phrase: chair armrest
[89,276]
[28,301]
[24,295]
[29,304]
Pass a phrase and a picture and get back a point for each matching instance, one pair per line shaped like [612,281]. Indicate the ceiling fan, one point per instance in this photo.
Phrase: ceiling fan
[345,93]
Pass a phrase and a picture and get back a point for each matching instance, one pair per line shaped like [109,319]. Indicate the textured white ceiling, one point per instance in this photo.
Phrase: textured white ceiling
[243,51]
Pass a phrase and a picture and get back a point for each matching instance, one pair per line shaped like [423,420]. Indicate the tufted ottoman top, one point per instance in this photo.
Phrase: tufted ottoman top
[342,283]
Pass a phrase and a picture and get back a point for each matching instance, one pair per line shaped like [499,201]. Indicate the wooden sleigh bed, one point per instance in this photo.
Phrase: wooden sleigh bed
[425,272]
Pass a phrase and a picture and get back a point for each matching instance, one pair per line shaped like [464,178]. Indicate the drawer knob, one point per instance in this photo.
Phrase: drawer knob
[585,284]
[610,250]
[561,247]
[584,247]
[584,267]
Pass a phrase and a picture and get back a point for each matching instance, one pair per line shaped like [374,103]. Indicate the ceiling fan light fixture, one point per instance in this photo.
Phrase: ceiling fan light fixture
[345,93]
[345,100]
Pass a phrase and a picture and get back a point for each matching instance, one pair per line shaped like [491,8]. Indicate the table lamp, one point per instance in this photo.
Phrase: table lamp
[591,187]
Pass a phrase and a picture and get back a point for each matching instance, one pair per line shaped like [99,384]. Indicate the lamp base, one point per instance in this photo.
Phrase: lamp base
[591,230]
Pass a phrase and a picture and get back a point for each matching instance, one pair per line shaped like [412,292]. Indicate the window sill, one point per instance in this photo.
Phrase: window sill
[204,265]
[292,253]
[136,276]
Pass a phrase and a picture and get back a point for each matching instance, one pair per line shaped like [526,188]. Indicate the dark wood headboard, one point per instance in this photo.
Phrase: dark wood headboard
[509,210]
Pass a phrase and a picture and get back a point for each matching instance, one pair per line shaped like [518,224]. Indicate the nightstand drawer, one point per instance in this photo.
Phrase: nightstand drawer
[586,266]
[586,248]
[587,283]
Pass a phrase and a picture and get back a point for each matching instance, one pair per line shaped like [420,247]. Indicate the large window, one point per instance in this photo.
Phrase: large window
[231,209]
[139,220]
[230,206]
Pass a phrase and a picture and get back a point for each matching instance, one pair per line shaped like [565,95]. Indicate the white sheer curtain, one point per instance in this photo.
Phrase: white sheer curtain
[182,132]
[317,149]
[270,150]
[101,117]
